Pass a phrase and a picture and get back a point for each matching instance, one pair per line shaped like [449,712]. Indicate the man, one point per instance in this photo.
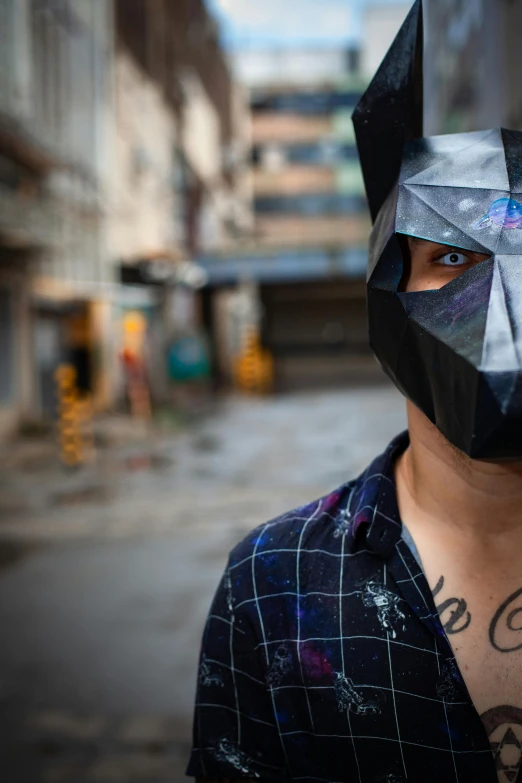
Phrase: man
[376,634]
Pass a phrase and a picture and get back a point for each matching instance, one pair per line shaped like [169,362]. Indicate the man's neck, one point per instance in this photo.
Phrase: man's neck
[440,486]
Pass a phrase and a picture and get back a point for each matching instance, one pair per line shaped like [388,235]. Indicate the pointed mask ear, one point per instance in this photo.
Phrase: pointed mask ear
[390,111]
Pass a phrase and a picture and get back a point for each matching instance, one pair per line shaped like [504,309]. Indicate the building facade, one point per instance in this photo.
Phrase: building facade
[179,189]
[308,188]
[54,99]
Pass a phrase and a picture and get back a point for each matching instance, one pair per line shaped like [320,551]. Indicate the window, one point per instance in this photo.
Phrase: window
[325,152]
[304,103]
[311,204]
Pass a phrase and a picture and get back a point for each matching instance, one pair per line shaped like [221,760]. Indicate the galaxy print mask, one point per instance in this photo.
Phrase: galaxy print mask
[455,352]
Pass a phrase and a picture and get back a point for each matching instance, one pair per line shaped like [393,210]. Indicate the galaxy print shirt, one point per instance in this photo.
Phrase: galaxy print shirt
[323,657]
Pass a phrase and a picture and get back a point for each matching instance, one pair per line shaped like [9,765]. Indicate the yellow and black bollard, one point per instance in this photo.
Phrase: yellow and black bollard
[75,433]
[254,366]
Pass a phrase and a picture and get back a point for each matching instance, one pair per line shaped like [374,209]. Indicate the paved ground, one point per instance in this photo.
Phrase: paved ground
[106,574]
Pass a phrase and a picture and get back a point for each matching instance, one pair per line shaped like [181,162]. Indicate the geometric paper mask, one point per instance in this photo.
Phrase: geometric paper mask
[455,352]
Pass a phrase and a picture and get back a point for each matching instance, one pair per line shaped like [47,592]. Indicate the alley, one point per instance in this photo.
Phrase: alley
[107,574]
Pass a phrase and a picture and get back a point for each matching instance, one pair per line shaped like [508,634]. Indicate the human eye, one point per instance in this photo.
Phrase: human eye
[453,258]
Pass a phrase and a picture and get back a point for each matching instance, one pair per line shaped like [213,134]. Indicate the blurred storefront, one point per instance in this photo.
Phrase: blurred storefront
[307,304]
[316,332]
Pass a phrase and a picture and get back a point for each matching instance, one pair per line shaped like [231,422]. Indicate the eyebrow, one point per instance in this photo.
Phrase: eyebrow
[418,241]
[421,241]
[443,245]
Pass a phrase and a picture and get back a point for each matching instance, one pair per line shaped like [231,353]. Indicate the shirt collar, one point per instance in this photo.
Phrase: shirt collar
[372,506]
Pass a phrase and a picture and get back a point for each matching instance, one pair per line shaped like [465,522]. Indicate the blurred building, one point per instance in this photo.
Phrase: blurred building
[473,65]
[307,255]
[309,201]
[121,149]
[171,191]
[176,187]
[307,184]
[180,186]
[54,100]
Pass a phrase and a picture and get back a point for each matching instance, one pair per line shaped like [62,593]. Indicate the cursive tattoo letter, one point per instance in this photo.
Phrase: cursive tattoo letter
[506,622]
[457,614]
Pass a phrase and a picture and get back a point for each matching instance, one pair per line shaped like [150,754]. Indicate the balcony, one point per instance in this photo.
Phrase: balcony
[289,128]
[293,180]
[294,231]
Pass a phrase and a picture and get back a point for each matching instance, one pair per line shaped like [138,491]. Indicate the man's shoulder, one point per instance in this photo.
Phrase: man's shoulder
[308,536]
[314,525]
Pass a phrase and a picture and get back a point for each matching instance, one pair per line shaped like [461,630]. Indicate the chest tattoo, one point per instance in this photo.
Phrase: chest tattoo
[505,628]
[457,618]
[505,631]
[504,729]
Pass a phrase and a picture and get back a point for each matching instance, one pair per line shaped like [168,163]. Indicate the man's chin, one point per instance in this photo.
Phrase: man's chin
[501,445]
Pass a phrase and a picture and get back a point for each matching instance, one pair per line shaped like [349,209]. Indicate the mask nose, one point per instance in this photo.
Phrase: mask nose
[502,347]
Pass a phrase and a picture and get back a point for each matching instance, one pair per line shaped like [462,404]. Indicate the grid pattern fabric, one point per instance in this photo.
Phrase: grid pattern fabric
[323,657]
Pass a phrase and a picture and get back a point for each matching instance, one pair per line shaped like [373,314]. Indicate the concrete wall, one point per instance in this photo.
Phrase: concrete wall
[201,130]
[140,189]
[13,279]
[238,168]
[54,72]
[473,65]
[54,96]
[56,91]
[510,43]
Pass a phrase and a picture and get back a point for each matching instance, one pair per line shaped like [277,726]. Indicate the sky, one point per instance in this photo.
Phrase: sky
[259,24]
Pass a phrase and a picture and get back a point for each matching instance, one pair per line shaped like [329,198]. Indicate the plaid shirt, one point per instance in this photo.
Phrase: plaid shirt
[324,658]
